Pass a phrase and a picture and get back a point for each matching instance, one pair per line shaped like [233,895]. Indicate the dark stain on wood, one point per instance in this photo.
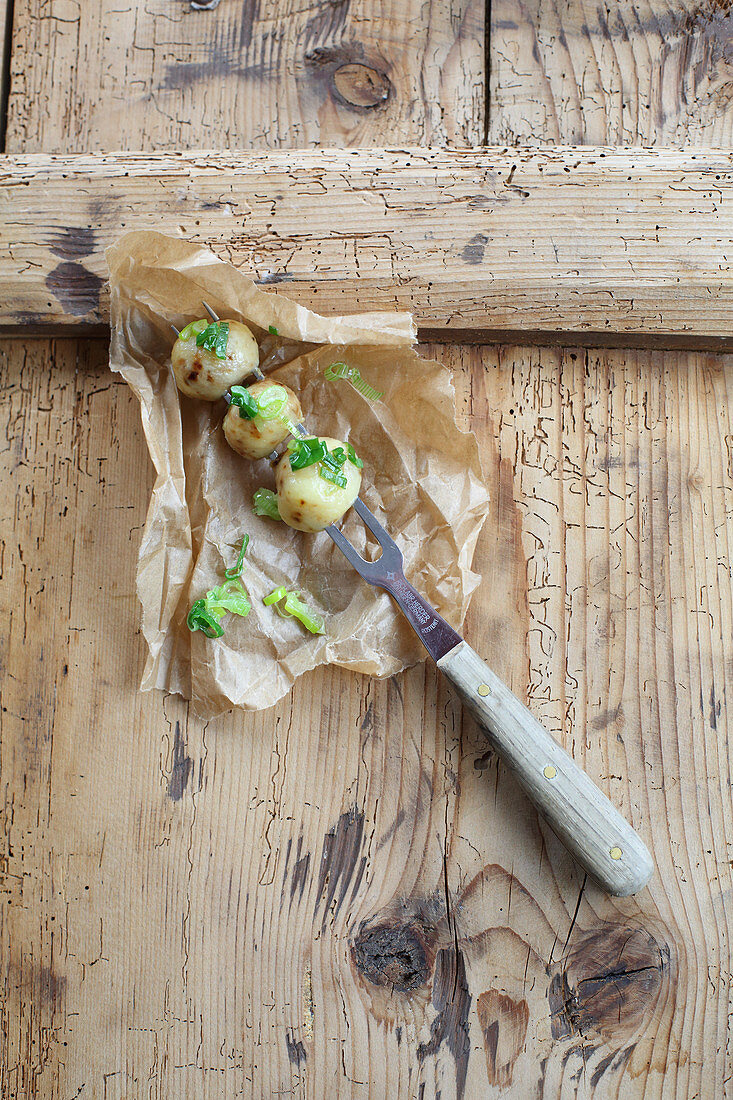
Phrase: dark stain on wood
[452,1001]
[76,288]
[473,252]
[300,873]
[504,1026]
[361,87]
[74,242]
[394,955]
[617,1058]
[339,862]
[608,984]
[182,765]
[296,1050]
[274,277]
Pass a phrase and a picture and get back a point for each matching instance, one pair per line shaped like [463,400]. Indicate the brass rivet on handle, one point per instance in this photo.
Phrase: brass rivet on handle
[549,771]
[484,689]
[615,853]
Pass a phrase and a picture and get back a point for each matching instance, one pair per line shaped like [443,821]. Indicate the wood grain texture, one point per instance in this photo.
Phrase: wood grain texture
[631,243]
[632,73]
[347,896]
[252,75]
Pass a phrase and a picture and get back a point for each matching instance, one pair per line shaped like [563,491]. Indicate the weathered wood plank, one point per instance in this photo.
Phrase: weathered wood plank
[6,9]
[149,74]
[636,73]
[235,909]
[631,243]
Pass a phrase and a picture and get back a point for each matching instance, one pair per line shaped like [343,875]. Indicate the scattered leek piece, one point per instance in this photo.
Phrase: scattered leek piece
[332,476]
[291,606]
[273,331]
[353,457]
[193,329]
[353,376]
[272,404]
[245,402]
[231,574]
[264,502]
[306,452]
[215,337]
[206,613]
[276,595]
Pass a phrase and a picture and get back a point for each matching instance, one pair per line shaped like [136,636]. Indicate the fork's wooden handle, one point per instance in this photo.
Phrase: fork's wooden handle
[581,815]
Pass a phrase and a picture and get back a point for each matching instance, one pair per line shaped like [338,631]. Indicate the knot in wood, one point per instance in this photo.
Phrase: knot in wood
[392,955]
[609,983]
[360,86]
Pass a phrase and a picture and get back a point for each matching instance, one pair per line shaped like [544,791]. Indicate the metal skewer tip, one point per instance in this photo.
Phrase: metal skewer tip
[210,311]
[176,330]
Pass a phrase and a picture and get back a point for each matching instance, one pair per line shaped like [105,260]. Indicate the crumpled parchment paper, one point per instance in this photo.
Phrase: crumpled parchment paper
[422,478]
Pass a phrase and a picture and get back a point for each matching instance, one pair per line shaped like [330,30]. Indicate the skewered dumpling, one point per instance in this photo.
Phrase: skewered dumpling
[307,499]
[228,354]
[256,436]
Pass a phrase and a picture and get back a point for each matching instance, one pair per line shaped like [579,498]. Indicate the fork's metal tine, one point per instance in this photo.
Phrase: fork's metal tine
[385,540]
[350,552]
[210,311]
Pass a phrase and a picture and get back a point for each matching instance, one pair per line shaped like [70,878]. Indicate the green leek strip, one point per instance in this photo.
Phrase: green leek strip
[291,606]
[264,502]
[230,574]
[276,595]
[215,337]
[231,596]
[193,329]
[353,376]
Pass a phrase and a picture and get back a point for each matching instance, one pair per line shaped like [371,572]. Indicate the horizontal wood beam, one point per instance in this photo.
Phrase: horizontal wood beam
[622,244]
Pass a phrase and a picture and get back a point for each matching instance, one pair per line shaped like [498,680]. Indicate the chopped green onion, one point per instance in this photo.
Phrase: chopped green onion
[275,596]
[271,402]
[215,337]
[230,596]
[273,331]
[245,402]
[264,503]
[353,376]
[306,452]
[291,606]
[193,329]
[230,574]
[330,475]
[338,370]
[204,618]
[353,457]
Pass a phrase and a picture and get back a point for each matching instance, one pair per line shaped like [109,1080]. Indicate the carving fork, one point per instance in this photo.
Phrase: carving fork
[578,812]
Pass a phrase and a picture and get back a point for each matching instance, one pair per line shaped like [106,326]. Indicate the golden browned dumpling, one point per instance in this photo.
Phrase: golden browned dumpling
[198,371]
[306,500]
[257,438]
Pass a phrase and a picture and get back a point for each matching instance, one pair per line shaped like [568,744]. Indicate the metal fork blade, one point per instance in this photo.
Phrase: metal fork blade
[386,572]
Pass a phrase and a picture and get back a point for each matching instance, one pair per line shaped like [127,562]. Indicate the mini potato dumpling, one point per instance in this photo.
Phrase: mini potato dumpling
[199,373]
[256,438]
[307,501]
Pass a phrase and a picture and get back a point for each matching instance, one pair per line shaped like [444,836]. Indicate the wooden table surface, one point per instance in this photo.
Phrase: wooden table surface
[347,895]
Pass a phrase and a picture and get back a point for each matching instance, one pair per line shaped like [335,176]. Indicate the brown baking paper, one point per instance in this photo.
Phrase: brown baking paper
[422,478]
